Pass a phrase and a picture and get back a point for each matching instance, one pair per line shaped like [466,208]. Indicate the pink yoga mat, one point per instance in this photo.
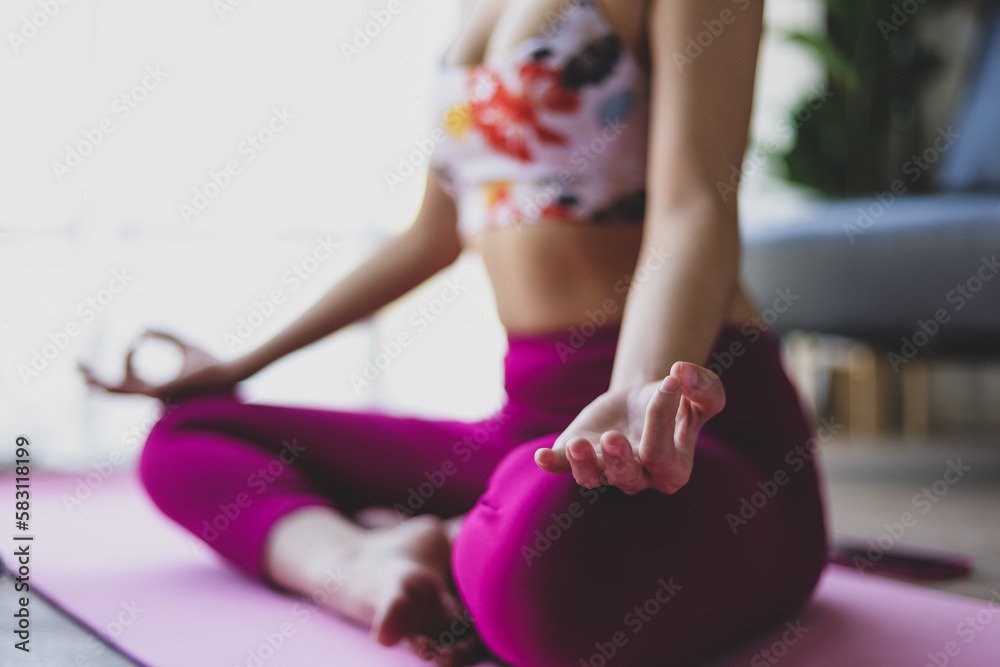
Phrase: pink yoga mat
[126,571]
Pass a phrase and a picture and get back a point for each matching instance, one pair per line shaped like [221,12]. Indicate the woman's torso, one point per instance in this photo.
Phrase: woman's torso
[561,269]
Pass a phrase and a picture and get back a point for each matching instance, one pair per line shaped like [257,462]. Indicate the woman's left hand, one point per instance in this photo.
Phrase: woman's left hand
[638,437]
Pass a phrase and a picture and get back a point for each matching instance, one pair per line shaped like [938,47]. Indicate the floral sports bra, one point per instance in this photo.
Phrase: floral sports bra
[556,131]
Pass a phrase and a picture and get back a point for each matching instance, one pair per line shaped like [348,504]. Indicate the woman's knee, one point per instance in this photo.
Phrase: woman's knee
[162,464]
[515,562]
[552,572]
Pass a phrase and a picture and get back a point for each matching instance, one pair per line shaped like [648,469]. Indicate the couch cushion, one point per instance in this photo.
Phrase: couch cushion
[875,270]
[974,161]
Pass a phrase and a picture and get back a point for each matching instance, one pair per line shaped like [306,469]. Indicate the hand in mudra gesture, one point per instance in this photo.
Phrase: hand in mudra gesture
[200,373]
[639,437]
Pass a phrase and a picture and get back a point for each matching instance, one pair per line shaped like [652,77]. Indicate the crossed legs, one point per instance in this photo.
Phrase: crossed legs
[276,491]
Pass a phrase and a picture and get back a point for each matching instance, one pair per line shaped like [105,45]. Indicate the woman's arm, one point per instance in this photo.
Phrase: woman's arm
[642,432]
[700,105]
[430,244]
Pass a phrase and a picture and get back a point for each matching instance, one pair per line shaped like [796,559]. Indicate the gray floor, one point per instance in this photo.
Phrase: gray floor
[867,486]
[56,640]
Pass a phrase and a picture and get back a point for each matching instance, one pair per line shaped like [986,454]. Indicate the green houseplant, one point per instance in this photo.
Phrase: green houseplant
[861,136]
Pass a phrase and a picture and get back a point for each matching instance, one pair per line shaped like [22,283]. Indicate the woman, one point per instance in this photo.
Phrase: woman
[604,512]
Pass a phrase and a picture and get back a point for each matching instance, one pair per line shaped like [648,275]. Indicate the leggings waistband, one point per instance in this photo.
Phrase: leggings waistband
[560,371]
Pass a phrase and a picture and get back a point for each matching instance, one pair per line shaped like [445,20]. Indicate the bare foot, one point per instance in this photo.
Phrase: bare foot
[377,517]
[399,582]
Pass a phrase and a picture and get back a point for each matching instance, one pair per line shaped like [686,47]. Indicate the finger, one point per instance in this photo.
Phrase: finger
[620,467]
[129,371]
[583,460]
[421,646]
[552,460]
[157,333]
[704,397]
[132,383]
[657,452]
[444,656]
[192,358]
[94,382]
[468,651]
[91,380]
[702,387]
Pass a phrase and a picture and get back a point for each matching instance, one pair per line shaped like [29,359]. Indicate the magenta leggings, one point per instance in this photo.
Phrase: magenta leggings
[553,574]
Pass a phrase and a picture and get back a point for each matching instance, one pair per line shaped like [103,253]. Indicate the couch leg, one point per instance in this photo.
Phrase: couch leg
[870,383]
[916,399]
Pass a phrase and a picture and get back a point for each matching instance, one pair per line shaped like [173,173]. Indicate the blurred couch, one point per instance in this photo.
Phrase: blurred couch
[903,272]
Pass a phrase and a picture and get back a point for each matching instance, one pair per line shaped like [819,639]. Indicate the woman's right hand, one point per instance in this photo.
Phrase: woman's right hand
[200,373]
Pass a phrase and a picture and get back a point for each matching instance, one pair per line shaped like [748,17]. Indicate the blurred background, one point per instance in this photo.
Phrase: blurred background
[211,168]
[130,204]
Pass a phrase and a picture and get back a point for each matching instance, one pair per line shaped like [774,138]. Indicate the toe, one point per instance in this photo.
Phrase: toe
[469,651]
[420,645]
[414,610]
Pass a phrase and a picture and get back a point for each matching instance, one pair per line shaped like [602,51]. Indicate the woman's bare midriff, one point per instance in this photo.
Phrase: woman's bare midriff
[554,275]
[548,275]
